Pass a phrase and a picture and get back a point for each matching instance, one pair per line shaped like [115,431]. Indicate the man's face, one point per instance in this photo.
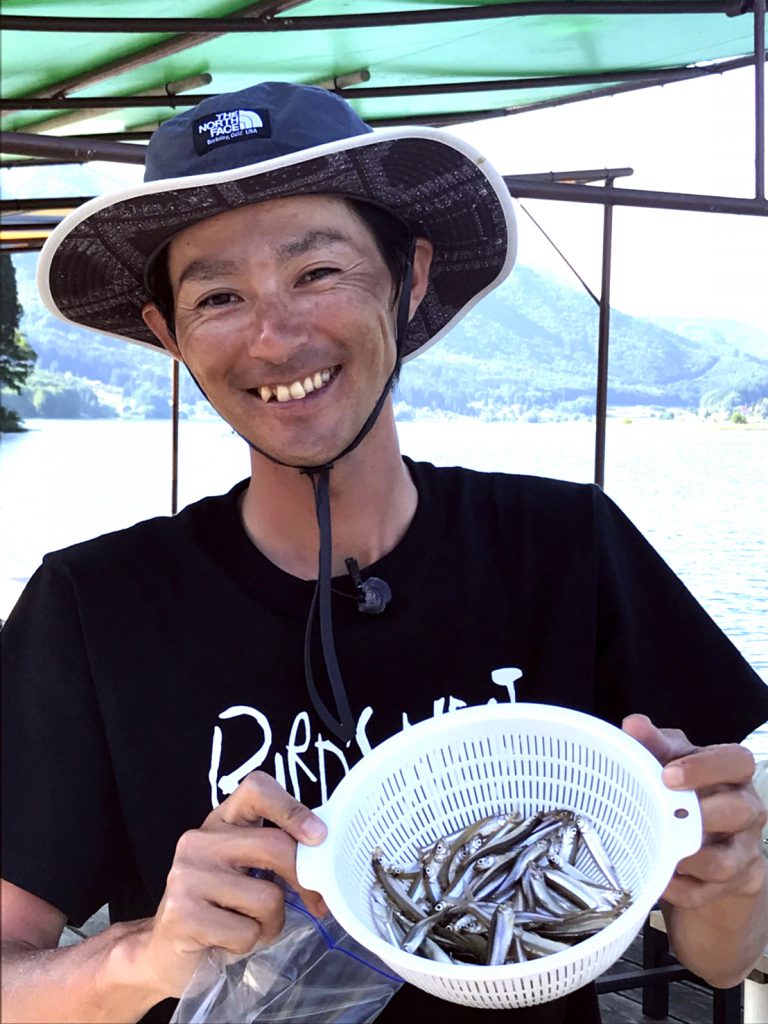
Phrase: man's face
[285,315]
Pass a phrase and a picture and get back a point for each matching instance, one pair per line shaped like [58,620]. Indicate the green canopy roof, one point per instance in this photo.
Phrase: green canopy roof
[79,80]
[79,68]
[454,60]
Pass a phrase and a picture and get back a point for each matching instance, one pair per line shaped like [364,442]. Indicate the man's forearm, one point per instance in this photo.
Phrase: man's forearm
[722,941]
[100,980]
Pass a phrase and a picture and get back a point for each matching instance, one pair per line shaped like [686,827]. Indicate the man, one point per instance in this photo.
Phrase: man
[174,686]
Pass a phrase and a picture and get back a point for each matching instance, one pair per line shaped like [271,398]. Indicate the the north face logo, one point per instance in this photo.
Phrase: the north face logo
[229,126]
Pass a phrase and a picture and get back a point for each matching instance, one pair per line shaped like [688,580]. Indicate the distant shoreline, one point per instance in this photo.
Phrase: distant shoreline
[630,416]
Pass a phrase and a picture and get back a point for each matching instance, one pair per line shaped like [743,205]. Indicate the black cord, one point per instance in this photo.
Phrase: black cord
[344,725]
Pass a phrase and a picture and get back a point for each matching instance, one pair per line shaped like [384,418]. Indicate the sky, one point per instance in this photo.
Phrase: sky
[695,136]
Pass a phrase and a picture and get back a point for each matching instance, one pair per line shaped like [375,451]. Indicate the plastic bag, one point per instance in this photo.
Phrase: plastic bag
[313,974]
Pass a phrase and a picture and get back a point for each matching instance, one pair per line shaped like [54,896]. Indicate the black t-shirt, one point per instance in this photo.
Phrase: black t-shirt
[147,671]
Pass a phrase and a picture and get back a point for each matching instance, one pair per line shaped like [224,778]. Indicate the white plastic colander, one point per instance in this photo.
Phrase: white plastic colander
[440,775]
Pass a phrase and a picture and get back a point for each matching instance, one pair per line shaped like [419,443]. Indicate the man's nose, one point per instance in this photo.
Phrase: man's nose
[276,328]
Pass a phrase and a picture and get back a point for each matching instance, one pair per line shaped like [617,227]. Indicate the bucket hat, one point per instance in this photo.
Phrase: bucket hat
[269,141]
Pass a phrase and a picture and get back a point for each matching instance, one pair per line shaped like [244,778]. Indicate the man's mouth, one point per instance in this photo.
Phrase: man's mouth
[293,391]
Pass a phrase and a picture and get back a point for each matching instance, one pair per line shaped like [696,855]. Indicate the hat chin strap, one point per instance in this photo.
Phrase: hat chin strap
[341,724]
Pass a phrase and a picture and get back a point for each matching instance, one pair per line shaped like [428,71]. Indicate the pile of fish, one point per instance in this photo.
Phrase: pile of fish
[505,889]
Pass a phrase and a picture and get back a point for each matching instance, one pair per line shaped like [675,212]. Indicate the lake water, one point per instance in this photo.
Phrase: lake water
[697,490]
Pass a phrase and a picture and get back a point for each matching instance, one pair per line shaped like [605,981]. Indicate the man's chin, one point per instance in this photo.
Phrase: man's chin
[296,458]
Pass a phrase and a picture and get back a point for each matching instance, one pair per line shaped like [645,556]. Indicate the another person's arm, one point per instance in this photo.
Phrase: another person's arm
[210,900]
[716,905]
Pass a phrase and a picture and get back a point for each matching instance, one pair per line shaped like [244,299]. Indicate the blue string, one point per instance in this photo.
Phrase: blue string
[270,876]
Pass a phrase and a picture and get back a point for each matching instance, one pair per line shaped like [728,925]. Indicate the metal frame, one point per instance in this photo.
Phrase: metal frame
[139,134]
[334,22]
[261,17]
[649,76]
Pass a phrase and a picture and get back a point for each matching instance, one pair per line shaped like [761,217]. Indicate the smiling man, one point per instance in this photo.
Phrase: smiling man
[170,688]
[283,313]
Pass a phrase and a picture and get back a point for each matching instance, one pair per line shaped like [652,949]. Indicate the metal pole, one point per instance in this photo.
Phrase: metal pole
[601,405]
[175,437]
[44,205]
[83,114]
[437,120]
[94,105]
[332,22]
[719,68]
[760,99]
[523,188]
[71,148]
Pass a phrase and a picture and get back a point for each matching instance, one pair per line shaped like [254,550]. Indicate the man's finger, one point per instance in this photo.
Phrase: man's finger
[260,797]
[732,810]
[665,744]
[261,853]
[716,872]
[723,764]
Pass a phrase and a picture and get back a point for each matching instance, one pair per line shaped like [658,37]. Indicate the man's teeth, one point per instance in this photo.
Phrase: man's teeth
[298,389]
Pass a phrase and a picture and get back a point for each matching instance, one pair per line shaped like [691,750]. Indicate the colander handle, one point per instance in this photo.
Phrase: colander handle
[314,864]
[685,821]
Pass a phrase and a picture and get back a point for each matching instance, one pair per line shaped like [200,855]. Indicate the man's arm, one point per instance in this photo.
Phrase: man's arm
[116,976]
[716,905]
[91,981]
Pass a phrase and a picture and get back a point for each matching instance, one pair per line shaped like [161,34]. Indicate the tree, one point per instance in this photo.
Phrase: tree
[16,357]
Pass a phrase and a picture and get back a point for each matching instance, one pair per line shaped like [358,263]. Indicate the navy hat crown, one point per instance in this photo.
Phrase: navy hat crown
[276,140]
[264,122]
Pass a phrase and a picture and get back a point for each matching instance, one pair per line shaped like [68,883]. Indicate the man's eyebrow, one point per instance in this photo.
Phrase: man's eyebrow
[311,240]
[205,269]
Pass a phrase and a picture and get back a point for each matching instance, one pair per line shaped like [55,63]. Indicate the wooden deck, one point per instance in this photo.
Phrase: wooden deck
[690,1001]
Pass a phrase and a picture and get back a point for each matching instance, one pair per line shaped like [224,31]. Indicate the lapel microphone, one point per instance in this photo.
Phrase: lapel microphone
[373,594]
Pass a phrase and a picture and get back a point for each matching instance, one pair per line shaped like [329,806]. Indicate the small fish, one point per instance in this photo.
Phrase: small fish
[502,889]
[396,895]
[384,917]
[539,945]
[578,925]
[569,844]
[433,951]
[579,894]
[500,934]
[413,939]
[597,851]
[545,896]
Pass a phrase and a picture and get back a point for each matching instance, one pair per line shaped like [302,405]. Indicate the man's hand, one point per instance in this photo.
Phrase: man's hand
[210,900]
[716,905]
[729,862]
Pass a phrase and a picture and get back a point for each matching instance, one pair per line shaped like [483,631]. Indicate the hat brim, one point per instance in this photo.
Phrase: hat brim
[91,269]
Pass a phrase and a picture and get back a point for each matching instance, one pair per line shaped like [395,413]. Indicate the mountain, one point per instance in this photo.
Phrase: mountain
[744,337]
[532,344]
[529,346]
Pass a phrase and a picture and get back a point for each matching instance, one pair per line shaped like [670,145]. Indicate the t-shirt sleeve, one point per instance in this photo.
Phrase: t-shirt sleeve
[659,652]
[62,833]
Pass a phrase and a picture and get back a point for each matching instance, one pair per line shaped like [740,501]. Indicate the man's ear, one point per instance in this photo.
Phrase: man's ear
[156,322]
[422,261]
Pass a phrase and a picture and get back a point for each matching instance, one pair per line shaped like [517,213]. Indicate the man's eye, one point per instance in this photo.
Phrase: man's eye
[218,299]
[317,274]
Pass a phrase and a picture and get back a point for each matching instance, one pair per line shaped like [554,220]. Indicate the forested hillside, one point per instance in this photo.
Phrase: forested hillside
[532,345]
[528,349]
